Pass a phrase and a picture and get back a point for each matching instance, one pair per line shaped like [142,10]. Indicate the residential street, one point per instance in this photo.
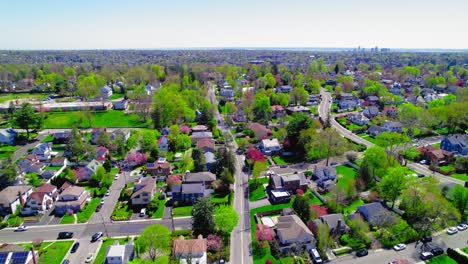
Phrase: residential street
[324,109]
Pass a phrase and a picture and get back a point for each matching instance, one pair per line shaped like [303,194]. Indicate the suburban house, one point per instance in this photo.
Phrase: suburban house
[61,137]
[390,111]
[96,134]
[106,92]
[159,168]
[436,156]
[7,136]
[120,254]
[286,183]
[210,160]
[239,116]
[71,200]
[204,177]
[457,144]
[291,231]
[314,99]
[372,100]
[192,249]
[284,89]
[196,136]
[227,94]
[31,164]
[16,254]
[375,130]
[120,104]
[371,112]
[40,200]
[261,131]
[325,176]
[101,153]
[335,223]
[375,214]
[163,143]
[12,197]
[43,151]
[75,106]
[59,162]
[188,193]
[358,119]
[144,190]
[270,146]
[149,89]
[391,126]
[277,111]
[348,101]
[124,132]
[85,173]
[206,145]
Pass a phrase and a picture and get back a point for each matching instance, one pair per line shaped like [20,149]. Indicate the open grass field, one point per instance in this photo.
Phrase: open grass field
[12,96]
[52,252]
[111,118]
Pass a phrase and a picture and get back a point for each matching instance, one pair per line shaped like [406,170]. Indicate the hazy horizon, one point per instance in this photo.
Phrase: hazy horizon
[241,24]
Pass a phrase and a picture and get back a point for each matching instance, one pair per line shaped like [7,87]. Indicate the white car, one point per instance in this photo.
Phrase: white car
[423,161]
[452,230]
[399,247]
[462,227]
[108,193]
[116,177]
[103,200]
[89,258]
[21,228]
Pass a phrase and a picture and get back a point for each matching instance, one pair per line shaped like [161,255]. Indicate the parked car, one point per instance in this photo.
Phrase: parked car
[420,175]
[452,230]
[108,193]
[426,255]
[96,236]
[65,261]
[142,212]
[423,162]
[399,247]
[116,177]
[21,228]
[362,253]
[65,235]
[437,251]
[98,208]
[75,247]
[89,258]
[103,200]
[462,227]
[315,256]
[426,239]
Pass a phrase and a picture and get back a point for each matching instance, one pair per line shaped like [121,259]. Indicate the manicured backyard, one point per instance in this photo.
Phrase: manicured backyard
[110,118]
[345,173]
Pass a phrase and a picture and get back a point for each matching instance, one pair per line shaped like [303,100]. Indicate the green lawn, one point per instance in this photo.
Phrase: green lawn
[160,211]
[182,211]
[116,96]
[52,252]
[88,211]
[219,199]
[11,96]
[465,250]
[257,194]
[14,220]
[368,138]
[110,118]
[447,169]
[442,259]
[436,145]
[344,174]
[463,177]
[351,208]
[67,219]
[121,212]
[101,255]
[279,160]
[49,138]
[6,151]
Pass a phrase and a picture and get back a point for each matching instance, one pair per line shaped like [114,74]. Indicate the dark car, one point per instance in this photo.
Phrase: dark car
[96,236]
[437,251]
[98,208]
[65,261]
[65,235]
[420,175]
[362,253]
[426,239]
[75,247]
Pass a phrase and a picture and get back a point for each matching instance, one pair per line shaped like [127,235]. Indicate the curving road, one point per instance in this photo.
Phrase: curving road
[324,110]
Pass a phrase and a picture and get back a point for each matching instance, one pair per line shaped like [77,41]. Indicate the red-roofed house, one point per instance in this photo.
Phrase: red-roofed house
[101,153]
[206,144]
[261,131]
[278,111]
[390,111]
[195,249]
[40,200]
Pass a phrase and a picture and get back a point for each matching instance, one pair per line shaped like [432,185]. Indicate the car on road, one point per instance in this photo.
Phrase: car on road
[423,162]
[452,230]
[462,227]
[116,177]
[437,251]
[65,235]
[75,247]
[399,247]
[103,200]
[21,228]
[96,236]
[426,255]
[108,193]
[362,253]
[426,239]
[89,258]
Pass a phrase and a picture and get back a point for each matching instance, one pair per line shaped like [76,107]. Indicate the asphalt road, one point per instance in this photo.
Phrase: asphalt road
[324,109]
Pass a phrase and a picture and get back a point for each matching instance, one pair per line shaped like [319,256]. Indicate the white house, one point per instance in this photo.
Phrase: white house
[270,146]
[12,197]
[195,249]
[106,91]
[119,254]
[43,151]
[7,136]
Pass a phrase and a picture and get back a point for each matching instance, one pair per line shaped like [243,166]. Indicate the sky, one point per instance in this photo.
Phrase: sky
[146,24]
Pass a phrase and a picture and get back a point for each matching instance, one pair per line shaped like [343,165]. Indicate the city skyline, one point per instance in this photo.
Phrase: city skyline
[53,25]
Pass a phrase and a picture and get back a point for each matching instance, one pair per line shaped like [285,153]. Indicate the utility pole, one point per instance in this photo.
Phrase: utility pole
[172,220]
[105,228]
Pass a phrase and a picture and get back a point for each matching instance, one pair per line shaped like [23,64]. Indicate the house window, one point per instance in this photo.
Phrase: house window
[145,200]
[144,194]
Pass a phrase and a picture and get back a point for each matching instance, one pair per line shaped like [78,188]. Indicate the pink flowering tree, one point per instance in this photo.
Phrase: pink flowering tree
[214,243]
[136,158]
[264,233]
[174,179]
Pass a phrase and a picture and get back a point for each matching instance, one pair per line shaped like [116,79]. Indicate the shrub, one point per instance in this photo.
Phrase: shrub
[184,233]
[459,258]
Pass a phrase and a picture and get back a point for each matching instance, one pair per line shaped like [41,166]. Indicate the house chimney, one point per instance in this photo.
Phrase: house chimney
[338,227]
